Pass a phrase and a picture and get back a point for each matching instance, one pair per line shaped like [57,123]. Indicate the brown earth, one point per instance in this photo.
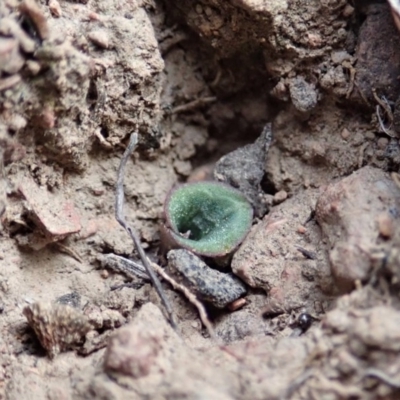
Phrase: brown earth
[198,80]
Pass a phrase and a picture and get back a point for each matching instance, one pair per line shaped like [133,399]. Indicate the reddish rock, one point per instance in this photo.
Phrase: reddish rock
[54,215]
[348,212]
[132,352]
[270,259]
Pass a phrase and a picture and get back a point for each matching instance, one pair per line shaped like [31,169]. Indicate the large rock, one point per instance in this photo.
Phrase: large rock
[90,77]
[284,256]
[352,214]
[147,359]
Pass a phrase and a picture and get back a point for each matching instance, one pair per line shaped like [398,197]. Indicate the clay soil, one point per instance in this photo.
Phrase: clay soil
[199,81]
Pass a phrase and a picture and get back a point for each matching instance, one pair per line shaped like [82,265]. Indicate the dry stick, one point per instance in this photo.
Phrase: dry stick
[135,269]
[119,215]
[190,296]
[376,373]
[385,105]
[193,104]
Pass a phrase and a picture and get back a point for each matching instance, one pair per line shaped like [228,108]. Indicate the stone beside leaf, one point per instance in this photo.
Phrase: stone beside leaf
[212,286]
[208,218]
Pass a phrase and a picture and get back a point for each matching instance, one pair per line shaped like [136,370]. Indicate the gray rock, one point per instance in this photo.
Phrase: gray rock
[72,299]
[244,169]
[304,96]
[210,285]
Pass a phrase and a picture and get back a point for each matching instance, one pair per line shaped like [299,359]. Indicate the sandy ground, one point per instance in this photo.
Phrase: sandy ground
[199,82]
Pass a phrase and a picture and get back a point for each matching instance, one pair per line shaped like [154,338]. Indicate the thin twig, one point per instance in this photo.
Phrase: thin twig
[361,154]
[190,296]
[382,102]
[119,215]
[193,104]
[134,269]
[66,250]
[376,373]
[10,81]
[381,123]
[296,384]
[306,253]
[3,195]
[396,179]
[352,79]
[121,264]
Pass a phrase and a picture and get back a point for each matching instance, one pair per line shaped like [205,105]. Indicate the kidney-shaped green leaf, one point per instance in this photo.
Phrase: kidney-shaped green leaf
[208,218]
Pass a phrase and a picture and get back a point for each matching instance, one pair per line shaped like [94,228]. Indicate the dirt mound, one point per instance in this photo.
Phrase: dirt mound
[313,297]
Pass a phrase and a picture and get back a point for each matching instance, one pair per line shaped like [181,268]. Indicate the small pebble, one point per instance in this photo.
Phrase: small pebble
[348,10]
[100,39]
[280,91]
[385,225]
[339,56]
[280,196]
[237,304]
[382,143]
[358,139]
[199,8]
[303,94]
[301,229]
[97,191]
[72,299]
[195,324]
[33,67]
[104,274]
[345,134]
[202,173]
[17,122]
[93,16]
[370,135]
[208,11]
[55,8]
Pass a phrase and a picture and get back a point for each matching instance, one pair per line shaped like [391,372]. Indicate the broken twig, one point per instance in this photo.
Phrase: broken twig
[193,104]
[122,264]
[119,215]
[66,250]
[134,269]
[306,253]
[382,102]
[190,296]
[382,376]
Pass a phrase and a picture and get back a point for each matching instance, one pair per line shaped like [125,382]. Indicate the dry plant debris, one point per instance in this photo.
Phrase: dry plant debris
[76,78]
[58,327]
[119,215]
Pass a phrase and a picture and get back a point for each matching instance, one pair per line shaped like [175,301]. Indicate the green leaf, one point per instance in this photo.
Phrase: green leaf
[208,218]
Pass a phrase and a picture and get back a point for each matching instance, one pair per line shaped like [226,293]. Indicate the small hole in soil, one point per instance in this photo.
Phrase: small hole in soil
[104,132]
[224,140]
[268,186]
[29,28]
[93,94]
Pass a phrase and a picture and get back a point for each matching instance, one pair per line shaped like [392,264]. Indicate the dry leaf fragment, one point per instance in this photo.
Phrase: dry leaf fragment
[57,326]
